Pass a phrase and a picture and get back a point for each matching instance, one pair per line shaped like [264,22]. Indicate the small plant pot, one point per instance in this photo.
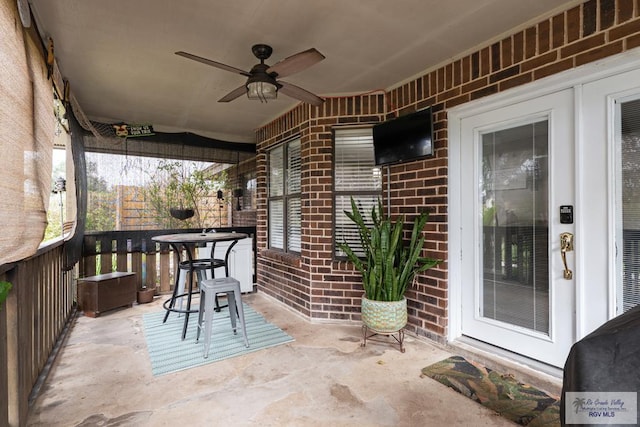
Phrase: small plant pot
[384,317]
[146,295]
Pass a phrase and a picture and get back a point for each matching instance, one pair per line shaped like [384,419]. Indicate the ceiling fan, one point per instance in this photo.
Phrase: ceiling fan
[262,82]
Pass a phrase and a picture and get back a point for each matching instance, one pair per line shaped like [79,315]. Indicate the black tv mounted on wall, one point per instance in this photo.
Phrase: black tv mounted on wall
[403,139]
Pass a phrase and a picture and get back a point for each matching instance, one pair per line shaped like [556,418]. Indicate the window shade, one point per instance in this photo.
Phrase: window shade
[28,126]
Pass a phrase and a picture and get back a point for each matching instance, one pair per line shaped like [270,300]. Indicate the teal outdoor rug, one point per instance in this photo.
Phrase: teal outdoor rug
[168,353]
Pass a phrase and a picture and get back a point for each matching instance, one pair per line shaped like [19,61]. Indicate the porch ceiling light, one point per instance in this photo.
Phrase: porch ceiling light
[261,86]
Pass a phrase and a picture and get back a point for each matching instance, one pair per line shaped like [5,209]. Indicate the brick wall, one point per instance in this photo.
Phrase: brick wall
[321,288]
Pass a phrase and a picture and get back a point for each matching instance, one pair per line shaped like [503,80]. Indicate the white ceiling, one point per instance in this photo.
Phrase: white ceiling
[118,55]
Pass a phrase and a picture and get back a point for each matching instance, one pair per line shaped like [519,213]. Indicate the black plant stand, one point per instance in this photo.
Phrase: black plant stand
[368,333]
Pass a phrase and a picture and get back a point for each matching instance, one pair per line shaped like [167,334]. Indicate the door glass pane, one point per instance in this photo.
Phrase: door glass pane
[630,175]
[514,199]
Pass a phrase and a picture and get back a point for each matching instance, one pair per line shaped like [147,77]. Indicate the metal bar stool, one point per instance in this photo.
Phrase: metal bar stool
[208,291]
[186,269]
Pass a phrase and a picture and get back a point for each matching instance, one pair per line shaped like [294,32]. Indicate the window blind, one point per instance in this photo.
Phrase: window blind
[356,176]
[294,207]
[630,186]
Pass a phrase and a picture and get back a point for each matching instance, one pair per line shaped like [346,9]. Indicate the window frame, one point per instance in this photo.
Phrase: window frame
[286,197]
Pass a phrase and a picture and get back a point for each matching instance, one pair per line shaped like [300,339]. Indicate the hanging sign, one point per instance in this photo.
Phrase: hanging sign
[129,131]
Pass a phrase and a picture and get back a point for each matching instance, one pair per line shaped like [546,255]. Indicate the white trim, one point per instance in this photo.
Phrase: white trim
[611,210]
[455,233]
[578,119]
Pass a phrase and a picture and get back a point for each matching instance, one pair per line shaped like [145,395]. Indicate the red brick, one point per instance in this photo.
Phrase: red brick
[589,15]
[449,94]
[518,47]
[573,24]
[516,81]
[506,47]
[553,68]
[485,61]
[630,28]
[530,42]
[625,11]
[599,53]
[539,61]
[607,13]
[544,37]
[582,46]
[495,57]
[466,69]
[441,79]
[448,76]
[475,85]
[558,26]
[633,41]
[457,72]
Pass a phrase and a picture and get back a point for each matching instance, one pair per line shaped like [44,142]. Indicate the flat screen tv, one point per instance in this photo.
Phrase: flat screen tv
[405,138]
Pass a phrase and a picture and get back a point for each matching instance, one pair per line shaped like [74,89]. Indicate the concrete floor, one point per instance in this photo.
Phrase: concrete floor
[102,377]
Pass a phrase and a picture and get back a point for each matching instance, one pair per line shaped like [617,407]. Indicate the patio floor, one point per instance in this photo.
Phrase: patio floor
[102,376]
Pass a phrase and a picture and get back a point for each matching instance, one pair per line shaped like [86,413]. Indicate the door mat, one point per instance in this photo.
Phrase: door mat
[169,353]
[518,402]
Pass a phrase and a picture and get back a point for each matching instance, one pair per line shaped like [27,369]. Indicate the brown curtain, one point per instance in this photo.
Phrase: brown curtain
[26,138]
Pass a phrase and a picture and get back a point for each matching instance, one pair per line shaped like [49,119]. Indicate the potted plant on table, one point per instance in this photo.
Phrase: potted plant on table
[388,265]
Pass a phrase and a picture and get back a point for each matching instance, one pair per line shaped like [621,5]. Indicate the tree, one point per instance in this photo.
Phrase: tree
[101,203]
[174,184]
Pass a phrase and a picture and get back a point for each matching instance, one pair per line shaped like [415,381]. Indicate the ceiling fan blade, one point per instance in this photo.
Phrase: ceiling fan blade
[236,93]
[213,63]
[299,93]
[296,63]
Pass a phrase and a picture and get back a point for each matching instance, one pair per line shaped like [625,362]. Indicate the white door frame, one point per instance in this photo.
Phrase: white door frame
[586,318]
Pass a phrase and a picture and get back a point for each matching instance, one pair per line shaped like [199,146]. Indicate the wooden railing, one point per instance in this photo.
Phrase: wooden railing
[39,305]
[135,251]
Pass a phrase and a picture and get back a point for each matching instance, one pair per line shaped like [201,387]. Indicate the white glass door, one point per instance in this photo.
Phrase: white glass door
[518,168]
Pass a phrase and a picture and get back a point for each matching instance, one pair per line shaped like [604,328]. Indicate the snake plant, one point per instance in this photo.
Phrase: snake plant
[389,263]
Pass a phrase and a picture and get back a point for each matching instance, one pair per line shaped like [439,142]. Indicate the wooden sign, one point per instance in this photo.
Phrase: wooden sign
[129,131]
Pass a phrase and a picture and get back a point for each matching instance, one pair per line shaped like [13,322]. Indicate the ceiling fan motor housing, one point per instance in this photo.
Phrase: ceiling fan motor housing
[262,51]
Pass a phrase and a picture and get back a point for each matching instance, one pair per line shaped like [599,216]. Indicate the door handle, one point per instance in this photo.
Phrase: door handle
[566,245]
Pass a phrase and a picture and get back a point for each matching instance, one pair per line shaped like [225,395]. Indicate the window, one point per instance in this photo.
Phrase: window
[357,176]
[249,194]
[285,207]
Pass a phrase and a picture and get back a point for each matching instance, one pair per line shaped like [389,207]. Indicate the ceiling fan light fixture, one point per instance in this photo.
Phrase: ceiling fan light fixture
[261,90]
